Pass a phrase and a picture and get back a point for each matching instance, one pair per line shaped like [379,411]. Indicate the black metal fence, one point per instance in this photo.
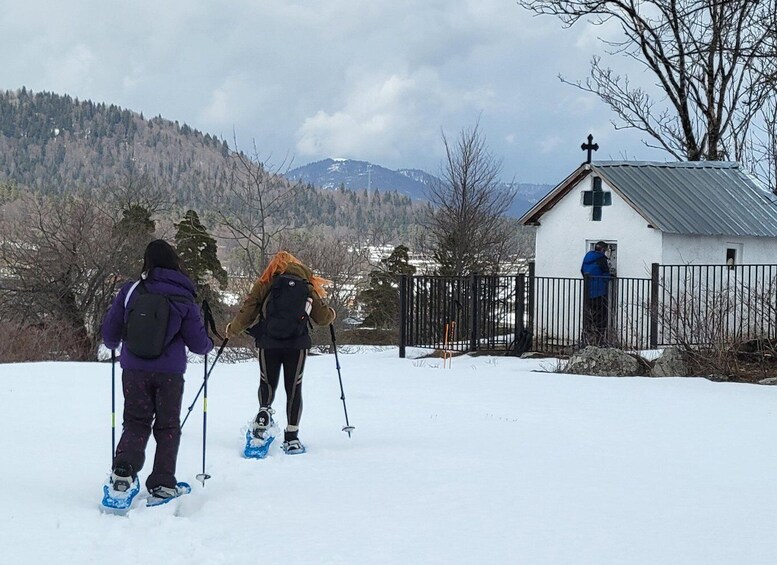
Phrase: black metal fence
[562,320]
[461,313]
[703,304]
[678,304]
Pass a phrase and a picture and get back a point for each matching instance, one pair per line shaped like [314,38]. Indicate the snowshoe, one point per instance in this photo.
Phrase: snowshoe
[257,448]
[293,447]
[259,437]
[162,495]
[119,491]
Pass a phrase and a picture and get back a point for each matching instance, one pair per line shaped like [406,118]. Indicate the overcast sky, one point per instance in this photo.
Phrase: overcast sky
[374,80]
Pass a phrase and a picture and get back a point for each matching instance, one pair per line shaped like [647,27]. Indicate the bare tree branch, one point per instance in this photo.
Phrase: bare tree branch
[466,223]
[62,259]
[251,211]
[712,60]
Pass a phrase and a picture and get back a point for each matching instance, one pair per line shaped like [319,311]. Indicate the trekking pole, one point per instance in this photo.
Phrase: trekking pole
[209,320]
[113,405]
[205,380]
[348,428]
[202,477]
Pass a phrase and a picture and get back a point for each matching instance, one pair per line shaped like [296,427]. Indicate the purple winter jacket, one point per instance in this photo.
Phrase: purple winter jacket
[185,327]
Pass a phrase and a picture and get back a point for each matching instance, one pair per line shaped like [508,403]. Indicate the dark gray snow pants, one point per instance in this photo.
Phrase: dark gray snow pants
[151,401]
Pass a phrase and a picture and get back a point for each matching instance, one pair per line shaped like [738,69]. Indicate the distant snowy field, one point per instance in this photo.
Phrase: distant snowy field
[488,462]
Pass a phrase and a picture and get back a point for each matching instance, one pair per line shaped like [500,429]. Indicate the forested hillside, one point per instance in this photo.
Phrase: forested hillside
[85,186]
[55,144]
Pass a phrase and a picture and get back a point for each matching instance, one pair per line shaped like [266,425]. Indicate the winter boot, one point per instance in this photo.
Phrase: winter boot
[122,477]
[166,492]
[262,422]
[162,495]
[292,445]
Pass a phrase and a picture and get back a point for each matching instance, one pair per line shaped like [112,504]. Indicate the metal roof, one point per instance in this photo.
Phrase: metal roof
[700,198]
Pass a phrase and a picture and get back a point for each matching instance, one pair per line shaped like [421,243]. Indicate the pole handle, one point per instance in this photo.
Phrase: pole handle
[208,313]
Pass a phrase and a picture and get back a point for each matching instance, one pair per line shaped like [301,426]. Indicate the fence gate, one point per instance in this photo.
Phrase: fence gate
[472,313]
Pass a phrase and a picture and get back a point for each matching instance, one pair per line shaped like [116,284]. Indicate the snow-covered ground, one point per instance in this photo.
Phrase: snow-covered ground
[488,462]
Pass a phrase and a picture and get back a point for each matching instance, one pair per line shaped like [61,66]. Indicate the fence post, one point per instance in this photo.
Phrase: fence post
[520,305]
[653,305]
[402,315]
[530,301]
[474,299]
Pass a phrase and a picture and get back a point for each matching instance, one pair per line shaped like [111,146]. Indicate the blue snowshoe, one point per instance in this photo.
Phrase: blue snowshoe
[260,435]
[257,447]
[162,495]
[119,491]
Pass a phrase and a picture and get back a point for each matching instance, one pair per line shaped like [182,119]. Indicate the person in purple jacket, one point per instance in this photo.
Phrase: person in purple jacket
[153,388]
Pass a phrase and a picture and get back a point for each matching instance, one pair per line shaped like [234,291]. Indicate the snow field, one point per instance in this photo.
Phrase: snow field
[485,462]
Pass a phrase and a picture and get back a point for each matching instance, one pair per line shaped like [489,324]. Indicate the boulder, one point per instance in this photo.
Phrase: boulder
[603,361]
[670,364]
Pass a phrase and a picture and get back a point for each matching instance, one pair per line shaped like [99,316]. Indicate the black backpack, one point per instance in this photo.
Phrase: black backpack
[287,315]
[146,322]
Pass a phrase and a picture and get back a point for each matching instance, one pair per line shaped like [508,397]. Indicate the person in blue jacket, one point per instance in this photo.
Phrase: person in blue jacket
[596,272]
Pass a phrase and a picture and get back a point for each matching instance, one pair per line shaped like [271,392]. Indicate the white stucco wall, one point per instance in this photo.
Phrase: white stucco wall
[711,250]
[565,229]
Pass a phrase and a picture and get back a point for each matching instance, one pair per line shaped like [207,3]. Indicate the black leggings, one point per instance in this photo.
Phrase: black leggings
[293,363]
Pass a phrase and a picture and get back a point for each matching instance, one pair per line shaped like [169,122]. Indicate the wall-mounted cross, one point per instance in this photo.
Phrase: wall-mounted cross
[590,146]
[597,198]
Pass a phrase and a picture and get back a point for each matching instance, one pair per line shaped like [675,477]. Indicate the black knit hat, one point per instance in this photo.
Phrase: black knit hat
[159,253]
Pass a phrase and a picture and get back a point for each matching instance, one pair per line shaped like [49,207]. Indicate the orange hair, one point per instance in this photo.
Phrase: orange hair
[281,261]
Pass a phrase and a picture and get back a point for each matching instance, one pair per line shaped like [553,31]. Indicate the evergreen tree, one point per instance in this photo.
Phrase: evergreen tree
[381,298]
[199,254]
[9,192]
[134,231]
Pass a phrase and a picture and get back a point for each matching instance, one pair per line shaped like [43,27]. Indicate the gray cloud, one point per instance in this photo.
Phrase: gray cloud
[372,80]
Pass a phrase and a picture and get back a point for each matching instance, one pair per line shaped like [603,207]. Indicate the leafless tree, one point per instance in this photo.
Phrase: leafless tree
[466,223]
[252,202]
[135,190]
[712,61]
[133,203]
[761,156]
[61,260]
[335,255]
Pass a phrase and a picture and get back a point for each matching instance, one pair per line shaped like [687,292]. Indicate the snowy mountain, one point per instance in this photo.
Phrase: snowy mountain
[526,196]
[361,175]
[485,462]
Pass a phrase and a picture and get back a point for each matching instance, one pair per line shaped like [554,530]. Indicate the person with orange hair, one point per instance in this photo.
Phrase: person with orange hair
[277,310]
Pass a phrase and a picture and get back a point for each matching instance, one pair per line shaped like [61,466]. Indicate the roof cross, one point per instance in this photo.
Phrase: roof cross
[590,146]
